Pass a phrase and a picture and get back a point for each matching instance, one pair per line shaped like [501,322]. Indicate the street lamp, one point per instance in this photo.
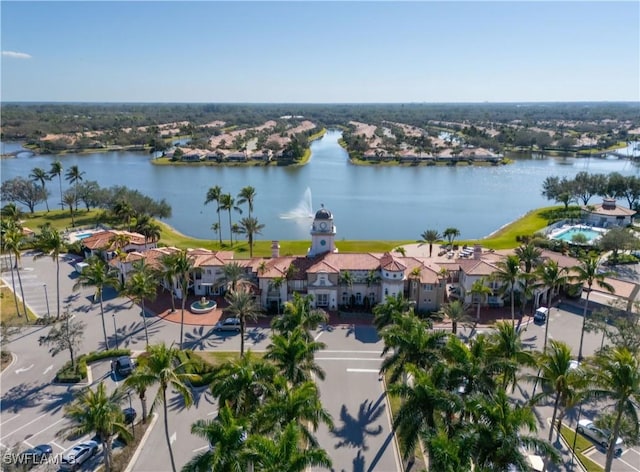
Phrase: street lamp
[115,331]
[46,297]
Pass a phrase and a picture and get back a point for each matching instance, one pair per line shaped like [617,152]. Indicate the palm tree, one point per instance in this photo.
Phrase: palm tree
[616,377]
[284,453]
[182,266]
[429,237]
[74,176]
[293,355]
[456,311]
[232,273]
[508,349]
[51,244]
[346,279]
[169,275]
[124,212]
[228,203]
[509,275]
[479,292]
[56,170]
[242,305]
[40,175]
[142,285]
[250,226]
[161,367]
[11,213]
[69,199]
[227,437]
[552,277]
[97,274]
[12,241]
[385,313]
[587,272]
[148,228]
[558,379]
[276,284]
[451,234]
[298,313]
[471,366]
[300,403]
[96,411]
[247,195]
[530,256]
[213,195]
[7,227]
[243,383]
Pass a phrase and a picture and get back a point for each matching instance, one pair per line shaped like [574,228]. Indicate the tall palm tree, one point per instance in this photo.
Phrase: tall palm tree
[183,267]
[509,274]
[456,311]
[161,366]
[7,227]
[96,411]
[276,284]
[551,277]
[123,211]
[40,175]
[243,383]
[243,306]
[429,237]
[616,377]
[12,241]
[74,176]
[509,350]
[142,285]
[559,379]
[11,213]
[69,199]
[56,170]
[346,280]
[247,195]
[284,452]
[298,313]
[232,274]
[479,292]
[530,256]
[587,272]
[385,313]
[250,226]
[51,244]
[227,437]
[97,274]
[148,228]
[471,365]
[169,275]
[213,195]
[293,355]
[228,204]
[300,403]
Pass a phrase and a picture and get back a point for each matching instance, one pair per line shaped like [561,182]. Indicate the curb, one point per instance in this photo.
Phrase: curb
[136,454]
[571,454]
[14,358]
[398,455]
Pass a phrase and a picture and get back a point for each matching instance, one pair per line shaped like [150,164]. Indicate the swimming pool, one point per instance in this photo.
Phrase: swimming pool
[567,235]
[83,235]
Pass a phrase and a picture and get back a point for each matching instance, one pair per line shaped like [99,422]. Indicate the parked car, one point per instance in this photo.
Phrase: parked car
[598,435]
[123,365]
[540,316]
[35,455]
[129,415]
[78,455]
[229,324]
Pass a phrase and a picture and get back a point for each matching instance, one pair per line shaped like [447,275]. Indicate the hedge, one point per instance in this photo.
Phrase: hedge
[78,373]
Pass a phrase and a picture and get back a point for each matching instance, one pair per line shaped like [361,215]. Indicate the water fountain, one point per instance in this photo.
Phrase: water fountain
[304,209]
[203,306]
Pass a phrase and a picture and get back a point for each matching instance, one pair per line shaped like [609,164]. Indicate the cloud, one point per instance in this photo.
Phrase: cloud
[16,55]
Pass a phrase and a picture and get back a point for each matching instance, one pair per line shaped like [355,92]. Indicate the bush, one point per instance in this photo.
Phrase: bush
[69,374]
[196,365]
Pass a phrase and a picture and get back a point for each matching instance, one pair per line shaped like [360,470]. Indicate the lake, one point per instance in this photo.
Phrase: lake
[367,202]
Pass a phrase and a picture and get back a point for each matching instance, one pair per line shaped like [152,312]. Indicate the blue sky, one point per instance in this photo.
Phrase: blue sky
[320,51]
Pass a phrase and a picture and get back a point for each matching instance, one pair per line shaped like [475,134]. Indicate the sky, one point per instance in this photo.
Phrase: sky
[320,52]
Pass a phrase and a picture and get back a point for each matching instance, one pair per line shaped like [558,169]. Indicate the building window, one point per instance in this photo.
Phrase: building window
[358,298]
[323,299]
[386,292]
[372,297]
[345,298]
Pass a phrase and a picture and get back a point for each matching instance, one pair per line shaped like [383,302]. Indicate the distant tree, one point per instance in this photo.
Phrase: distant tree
[456,312]
[429,237]
[479,291]
[74,176]
[56,171]
[213,195]
[23,191]
[250,226]
[242,305]
[228,203]
[50,243]
[141,286]
[451,234]
[616,240]
[40,175]
[560,191]
[247,195]
[69,199]
[89,194]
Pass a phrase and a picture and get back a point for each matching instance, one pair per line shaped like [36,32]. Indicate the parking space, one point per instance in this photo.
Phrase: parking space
[629,461]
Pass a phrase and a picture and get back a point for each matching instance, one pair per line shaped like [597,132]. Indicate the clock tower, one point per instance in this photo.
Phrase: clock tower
[323,233]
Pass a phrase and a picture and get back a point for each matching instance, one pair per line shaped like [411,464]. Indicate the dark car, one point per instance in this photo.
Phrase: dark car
[129,415]
[229,324]
[123,366]
[36,455]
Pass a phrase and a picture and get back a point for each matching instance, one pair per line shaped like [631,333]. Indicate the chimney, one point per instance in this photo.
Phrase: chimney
[275,249]
[477,252]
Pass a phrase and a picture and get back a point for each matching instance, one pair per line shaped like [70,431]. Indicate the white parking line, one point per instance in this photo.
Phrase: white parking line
[348,359]
[48,427]
[57,445]
[23,426]
[4,422]
[374,371]
[200,449]
[358,352]
[631,466]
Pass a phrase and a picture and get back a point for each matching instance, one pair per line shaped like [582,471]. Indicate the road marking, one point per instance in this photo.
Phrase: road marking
[4,422]
[47,369]
[173,438]
[357,352]
[24,369]
[376,371]
[348,359]
[23,426]
[632,466]
[48,427]
[212,413]
[200,449]
[57,445]
[28,443]
[318,335]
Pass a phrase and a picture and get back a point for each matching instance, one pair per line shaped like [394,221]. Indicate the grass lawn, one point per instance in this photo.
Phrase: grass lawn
[61,219]
[582,444]
[8,314]
[217,358]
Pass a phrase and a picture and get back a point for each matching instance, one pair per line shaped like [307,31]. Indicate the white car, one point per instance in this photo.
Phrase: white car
[230,324]
[78,455]
[598,435]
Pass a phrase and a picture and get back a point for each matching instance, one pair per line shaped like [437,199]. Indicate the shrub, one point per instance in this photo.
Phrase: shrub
[69,374]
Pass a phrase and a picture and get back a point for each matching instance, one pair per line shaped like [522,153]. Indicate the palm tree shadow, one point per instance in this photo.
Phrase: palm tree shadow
[256,335]
[198,339]
[176,402]
[22,396]
[132,334]
[354,430]
[358,462]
